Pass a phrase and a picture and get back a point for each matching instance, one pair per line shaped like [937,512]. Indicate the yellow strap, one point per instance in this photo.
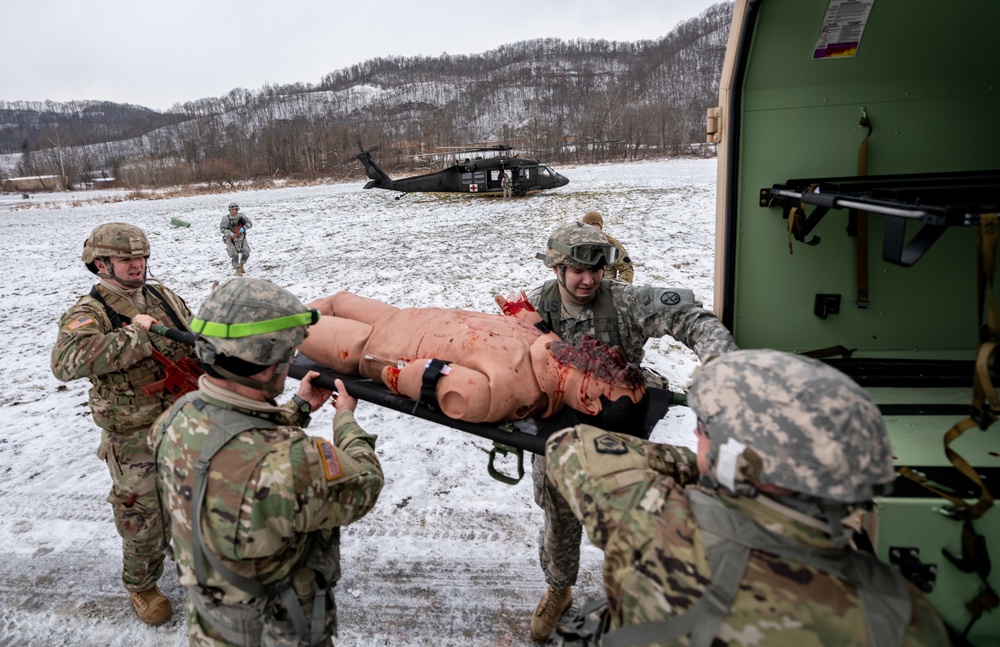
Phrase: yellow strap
[985,401]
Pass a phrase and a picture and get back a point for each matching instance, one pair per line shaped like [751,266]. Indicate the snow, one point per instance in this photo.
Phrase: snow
[448,556]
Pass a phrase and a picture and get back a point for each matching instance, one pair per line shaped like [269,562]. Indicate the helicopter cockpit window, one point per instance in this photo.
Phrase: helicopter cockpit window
[545,171]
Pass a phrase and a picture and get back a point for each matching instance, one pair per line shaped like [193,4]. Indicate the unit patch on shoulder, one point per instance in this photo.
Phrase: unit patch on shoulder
[331,462]
[670,298]
[609,444]
[80,322]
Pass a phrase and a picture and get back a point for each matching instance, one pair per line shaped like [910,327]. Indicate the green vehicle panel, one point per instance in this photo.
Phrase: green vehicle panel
[892,213]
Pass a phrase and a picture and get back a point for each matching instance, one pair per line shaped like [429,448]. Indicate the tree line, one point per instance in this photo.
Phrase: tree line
[561,101]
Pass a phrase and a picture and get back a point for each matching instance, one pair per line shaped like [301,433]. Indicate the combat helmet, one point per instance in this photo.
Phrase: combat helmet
[233,205]
[794,422]
[247,325]
[579,246]
[114,240]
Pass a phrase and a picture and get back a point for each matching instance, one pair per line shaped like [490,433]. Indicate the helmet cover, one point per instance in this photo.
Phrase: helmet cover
[794,422]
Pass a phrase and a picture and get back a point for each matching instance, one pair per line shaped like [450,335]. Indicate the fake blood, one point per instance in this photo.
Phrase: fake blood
[597,360]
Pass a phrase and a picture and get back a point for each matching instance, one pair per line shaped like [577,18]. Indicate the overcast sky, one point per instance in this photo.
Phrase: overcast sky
[157,54]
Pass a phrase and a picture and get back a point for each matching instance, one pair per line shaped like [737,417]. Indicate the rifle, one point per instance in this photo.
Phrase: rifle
[509,438]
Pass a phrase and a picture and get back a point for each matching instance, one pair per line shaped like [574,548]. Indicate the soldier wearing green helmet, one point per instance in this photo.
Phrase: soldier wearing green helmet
[104,337]
[621,269]
[234,228]
[788,450]
[255,504]
[579,301]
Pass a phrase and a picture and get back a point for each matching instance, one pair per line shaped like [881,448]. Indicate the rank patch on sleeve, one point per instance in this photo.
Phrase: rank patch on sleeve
[608,444]
[331,462]
[85,320]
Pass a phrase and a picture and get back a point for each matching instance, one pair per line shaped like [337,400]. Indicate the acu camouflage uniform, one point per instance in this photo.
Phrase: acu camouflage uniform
[626,316]
[274,503]
[632,498]
[236,242]
[117,361]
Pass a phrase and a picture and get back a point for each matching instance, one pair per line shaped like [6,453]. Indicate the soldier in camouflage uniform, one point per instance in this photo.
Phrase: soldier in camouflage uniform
[621,269]
[105,338]
[234,234]
[578,302]
[788,447]
[257,505]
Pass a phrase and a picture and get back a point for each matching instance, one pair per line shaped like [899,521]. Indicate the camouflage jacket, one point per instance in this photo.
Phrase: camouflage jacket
[645,312]
[230,226]
[118,361]
[621,269]
[630,496]
[268,488]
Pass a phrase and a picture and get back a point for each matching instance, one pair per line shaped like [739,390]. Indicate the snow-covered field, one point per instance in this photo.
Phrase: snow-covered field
[448,556]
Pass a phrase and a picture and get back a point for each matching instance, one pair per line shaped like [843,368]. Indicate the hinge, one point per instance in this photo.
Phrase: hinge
[713,133]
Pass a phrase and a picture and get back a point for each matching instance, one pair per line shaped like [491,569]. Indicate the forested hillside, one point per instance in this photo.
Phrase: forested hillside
[578,101]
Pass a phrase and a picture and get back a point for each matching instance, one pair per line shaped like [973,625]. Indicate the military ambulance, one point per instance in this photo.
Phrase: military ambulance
[858,187]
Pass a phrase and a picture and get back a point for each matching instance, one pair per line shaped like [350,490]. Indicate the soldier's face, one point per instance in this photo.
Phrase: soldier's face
[126,272]
[582,284]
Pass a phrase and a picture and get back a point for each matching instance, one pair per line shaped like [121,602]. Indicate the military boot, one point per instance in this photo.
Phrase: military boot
[151,606]
[554,603]
[239,270]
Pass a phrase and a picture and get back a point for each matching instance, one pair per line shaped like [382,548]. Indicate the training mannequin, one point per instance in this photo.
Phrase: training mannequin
[500,368]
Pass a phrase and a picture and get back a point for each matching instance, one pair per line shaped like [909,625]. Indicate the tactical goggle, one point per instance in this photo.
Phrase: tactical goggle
[587,253]
[234,331]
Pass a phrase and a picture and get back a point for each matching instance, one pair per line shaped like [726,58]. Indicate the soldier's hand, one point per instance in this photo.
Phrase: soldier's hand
[314,395]
[143,321]
[344,401]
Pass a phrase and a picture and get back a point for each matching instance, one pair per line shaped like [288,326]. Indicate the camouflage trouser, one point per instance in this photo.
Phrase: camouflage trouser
[135,506]
[239,251]
[559,539]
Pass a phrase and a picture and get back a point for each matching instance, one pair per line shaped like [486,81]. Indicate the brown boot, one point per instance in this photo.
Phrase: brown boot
[239,270]
[151,606]
[554,603]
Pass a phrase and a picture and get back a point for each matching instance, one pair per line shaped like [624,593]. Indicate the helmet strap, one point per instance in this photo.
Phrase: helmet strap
[111,276]
[272,388]
[269,388]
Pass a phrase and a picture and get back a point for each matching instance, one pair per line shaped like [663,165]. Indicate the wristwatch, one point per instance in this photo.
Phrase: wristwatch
[303,406]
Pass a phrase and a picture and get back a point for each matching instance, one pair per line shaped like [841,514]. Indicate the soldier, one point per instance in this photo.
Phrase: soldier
[234,235]
[621,269]
[256,504]
[788,447]
[507,184]
[580,302]
[105,338]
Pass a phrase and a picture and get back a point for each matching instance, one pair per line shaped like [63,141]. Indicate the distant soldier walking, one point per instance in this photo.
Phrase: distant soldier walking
[234,235]
[105,338]
[508,184]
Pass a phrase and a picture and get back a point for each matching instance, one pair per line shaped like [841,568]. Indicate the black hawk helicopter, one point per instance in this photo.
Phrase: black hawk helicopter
[476,175]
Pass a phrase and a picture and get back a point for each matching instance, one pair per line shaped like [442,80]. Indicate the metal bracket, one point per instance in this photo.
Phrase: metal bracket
[923,576]
[505,450]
